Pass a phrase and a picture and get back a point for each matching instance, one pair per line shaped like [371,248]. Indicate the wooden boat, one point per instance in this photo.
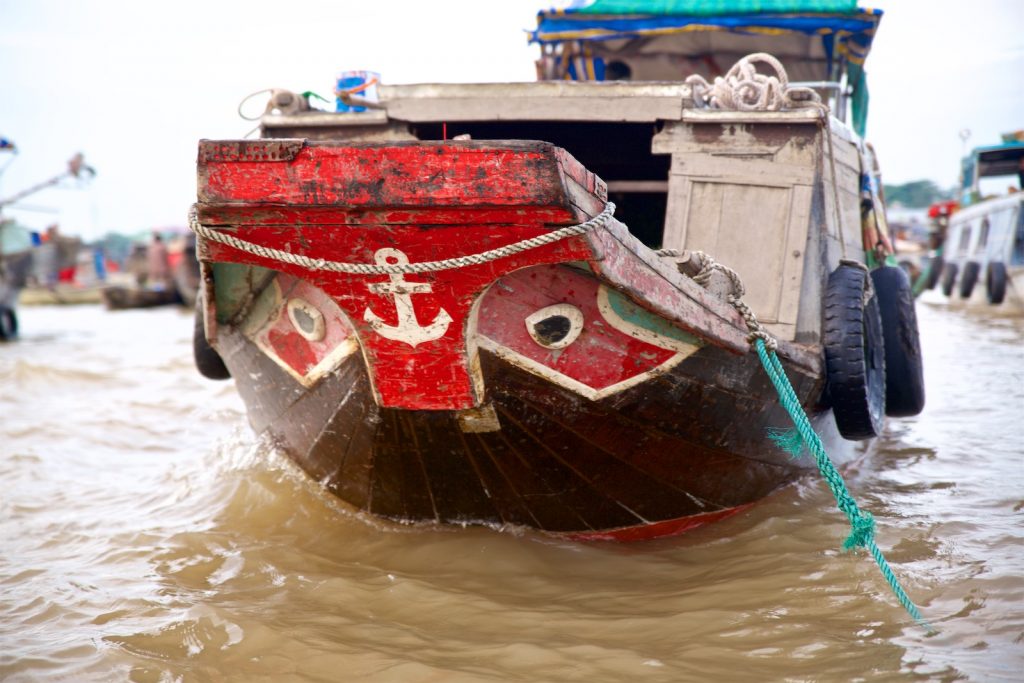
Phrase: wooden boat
[983,248]
[22,262]
[123,297]
[465,331]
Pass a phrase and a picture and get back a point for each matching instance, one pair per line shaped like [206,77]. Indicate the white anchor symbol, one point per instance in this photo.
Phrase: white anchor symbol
[408,330]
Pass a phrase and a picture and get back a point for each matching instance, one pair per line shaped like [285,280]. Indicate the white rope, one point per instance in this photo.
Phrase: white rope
[398,268]
[744,89]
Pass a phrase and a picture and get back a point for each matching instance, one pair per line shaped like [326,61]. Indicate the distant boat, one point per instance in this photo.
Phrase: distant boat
[15,269]
[22,261]
[120,297]
[498,303]
[134,288]
[983,249]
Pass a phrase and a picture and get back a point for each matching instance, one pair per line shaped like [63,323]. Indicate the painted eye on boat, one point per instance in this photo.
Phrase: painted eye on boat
[307,319]
[555,327]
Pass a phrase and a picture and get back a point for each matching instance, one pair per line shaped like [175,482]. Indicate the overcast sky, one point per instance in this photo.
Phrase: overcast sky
[134,85]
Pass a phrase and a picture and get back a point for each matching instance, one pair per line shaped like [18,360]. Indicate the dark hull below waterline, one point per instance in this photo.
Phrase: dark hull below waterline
[670,454]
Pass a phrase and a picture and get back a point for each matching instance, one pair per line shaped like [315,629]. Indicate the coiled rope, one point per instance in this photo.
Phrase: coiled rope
[862,524]
[744,89]
[399,268]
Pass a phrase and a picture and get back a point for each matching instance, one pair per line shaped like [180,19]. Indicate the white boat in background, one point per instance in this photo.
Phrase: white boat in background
[983,250]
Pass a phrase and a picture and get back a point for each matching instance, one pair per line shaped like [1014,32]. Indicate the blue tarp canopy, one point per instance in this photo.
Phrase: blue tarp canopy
[839,22]
[835,35]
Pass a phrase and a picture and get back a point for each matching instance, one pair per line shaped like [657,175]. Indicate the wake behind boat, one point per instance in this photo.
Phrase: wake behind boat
[525,304]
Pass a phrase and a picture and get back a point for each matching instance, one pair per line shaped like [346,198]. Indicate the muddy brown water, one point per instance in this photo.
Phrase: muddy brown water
[147,535]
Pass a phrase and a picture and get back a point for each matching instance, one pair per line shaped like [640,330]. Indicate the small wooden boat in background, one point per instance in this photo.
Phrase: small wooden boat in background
[122,297]
[525,326]
[36,267]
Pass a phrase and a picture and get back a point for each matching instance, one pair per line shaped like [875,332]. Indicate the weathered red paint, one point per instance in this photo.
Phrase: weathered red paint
[663,529]
[463,173]
[435,375]
[431,202]
[601,357]
[346,204]
[281,337]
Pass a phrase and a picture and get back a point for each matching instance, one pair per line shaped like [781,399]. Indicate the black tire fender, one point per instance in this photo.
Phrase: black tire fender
[968,279]
[995,282]
[208,361]
[904,368]
[949,272]
[8,323]
[854,353]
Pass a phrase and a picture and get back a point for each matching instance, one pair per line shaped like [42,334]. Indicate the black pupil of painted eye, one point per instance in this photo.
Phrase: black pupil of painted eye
[304,321]
[552,330]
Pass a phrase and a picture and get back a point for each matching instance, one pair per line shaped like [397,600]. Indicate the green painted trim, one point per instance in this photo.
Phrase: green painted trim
[644,319]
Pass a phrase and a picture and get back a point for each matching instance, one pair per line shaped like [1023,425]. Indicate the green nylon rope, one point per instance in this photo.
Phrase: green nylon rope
[862,534]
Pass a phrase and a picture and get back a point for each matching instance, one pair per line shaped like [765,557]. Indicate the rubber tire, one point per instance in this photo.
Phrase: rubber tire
[904,368]
[854,354]
[208,361]
[969,278]
[949,272]
[995,282]
[8,323]
[934,271]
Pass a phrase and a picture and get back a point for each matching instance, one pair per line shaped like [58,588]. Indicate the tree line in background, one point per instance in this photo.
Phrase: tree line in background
[918,194]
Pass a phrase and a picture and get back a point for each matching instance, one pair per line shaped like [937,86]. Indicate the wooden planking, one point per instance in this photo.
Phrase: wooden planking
[742,192]
[552,484]
[509,505]
[235,218]
[537,101]
[439,457]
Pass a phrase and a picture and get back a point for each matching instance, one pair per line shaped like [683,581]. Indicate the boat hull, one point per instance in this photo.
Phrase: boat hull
[687,446]
[462,333]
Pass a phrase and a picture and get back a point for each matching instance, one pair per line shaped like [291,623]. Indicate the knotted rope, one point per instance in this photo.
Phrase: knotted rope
[744,89]
[862,524]
[398,268]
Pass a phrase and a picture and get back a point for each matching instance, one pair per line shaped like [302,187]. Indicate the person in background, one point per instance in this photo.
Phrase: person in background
[159,265]
[46,259]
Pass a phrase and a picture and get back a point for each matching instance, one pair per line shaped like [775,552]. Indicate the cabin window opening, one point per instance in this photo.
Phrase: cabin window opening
[619,153]
[1017,254]
[983,235]
[965,239]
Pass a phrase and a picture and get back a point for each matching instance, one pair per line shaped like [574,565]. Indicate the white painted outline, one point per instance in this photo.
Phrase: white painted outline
[637,332]
[326,366]
[569,311]
[683,350]
[311,311]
